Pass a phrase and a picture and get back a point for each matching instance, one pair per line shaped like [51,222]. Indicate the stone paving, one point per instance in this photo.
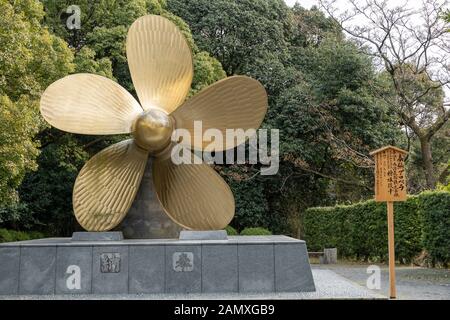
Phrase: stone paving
[413,283]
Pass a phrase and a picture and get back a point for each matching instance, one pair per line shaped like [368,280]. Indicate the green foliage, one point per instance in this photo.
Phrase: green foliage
[104,27]
[231,231]
[255,232]
[251,204]
[360,230]
[311,27]
[30,59]
[207,70]
[85,62]
[445,185]
[441,161]
[18,215]
[320,97]
[17,148]
[434,207]
[12,235]
[48,191]
[235,31]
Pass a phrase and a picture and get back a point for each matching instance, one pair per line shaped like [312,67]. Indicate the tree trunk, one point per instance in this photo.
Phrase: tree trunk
[428,162]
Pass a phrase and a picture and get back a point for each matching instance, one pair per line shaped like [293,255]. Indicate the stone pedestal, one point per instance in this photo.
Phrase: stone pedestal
[239,264]
[203,235]
[97,236]
[146,218]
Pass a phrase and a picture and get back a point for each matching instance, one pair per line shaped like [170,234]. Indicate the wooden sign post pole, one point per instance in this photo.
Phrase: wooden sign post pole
[391,245]
[390,186]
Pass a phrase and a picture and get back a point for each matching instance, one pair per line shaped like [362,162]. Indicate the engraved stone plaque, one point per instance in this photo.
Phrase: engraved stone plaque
[183,261]
[110,263]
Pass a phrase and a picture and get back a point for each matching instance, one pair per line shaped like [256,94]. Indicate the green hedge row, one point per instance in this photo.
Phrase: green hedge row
[248,231]
[256,232]
[12,235]
[360,230]
[435,210]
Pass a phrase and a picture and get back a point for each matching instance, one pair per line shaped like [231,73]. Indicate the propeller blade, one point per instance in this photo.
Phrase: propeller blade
[232,103]
[89,104]
[160,62]
[193,195]
[106,186]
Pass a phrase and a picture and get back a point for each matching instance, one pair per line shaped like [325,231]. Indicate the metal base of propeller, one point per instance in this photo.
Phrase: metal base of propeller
[146,218]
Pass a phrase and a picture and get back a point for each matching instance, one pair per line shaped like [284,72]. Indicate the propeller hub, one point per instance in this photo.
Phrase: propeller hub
[152,130]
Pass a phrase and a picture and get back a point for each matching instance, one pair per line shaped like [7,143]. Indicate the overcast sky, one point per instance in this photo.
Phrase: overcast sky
[309,3]
[343,5]
[304,3]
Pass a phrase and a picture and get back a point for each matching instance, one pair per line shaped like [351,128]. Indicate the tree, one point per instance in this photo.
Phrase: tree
[405,42]
[98,47]
[30,59]
[47,192]
[238,31]
[85,62]
[17,148]
[318,85]
[330,120]
[104,27]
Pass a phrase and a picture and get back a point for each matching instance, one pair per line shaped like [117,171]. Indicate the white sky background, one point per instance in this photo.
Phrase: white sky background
[304,3]
[309,3]
[343,5]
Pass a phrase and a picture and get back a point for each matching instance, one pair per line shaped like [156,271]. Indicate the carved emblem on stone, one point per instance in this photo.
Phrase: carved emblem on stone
[110,263]
[183,261]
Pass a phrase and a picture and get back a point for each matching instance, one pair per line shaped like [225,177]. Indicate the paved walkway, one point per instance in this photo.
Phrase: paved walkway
[340,281]
[412,282]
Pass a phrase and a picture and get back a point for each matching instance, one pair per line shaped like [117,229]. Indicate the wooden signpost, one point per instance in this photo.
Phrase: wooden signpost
[390,186]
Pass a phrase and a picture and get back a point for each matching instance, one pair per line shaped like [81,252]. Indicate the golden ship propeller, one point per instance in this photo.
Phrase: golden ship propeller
[160,61]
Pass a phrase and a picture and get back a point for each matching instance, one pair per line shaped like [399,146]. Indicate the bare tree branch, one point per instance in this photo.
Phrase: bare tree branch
[413,46]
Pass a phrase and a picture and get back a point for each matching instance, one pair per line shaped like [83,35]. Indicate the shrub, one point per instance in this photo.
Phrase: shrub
[251,204]
[360,230]
[231,231]
[434,207]
[17,214]
[12,235]
[5,236]
[255,232]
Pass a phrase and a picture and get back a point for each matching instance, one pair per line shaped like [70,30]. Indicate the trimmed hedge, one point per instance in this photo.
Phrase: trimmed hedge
[360,230]
[12,235]
[434,207]
[255,232]
[231,231]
